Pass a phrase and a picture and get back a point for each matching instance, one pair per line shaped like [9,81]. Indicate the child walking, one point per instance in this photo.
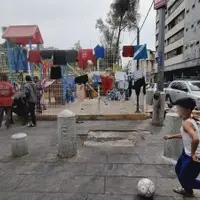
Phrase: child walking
[188,165]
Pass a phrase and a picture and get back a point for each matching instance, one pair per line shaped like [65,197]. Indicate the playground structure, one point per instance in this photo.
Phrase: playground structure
[22,36]
[28,39]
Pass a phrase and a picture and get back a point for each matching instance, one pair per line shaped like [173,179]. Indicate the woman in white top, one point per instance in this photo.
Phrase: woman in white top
[188,165]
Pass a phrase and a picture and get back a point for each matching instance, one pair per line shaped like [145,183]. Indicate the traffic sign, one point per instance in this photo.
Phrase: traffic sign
[140,52]
[159,4]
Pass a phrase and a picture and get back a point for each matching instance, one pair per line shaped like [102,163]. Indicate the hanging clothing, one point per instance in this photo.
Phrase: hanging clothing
[81,79]
[83,64]
[99,52]
[59,57]
[80,92]
[84,56]
[46,65]
[138,84]
[138,74]
[96,79]
[34,56]
[56,73]
[107,83]
[69,82]
[128,51]
[130,87]
[120,76]
[71,56]
[123,85]
[19,59]
[46,54]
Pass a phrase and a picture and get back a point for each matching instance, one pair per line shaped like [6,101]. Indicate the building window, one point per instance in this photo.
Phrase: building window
[157,25]
[174,6]
[176,37]
[173,53]
[157,37]
[176,20]
[157,49]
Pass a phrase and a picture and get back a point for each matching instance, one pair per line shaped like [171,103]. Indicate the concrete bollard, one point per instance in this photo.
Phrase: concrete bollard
[67,138]
[19,145]
[149,97]
[173,148]
[158,109]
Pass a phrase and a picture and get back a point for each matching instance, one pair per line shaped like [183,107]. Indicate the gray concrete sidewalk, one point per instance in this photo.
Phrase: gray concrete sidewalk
[96,173]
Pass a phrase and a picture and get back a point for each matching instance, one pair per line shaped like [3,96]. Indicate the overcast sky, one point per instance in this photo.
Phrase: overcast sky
[63,22]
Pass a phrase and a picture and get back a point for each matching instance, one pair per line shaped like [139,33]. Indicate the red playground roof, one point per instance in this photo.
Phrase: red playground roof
[23,34]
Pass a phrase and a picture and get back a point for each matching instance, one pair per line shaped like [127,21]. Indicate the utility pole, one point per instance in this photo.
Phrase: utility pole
[138,66]
[161,49]
[159,96]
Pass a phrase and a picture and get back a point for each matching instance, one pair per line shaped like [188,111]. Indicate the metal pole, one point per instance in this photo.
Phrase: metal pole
[31,66]
[138,65]
[159,96]
[98,88]
[9,61]
[138,43]
[40,64]
[161,49]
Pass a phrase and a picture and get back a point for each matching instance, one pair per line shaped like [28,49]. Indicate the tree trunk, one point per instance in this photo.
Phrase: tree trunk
[118,39]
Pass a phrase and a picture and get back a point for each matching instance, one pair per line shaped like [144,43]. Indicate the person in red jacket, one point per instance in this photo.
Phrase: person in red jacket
[6,93]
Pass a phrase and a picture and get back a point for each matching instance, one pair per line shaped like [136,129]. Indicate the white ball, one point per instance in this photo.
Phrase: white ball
[146,188]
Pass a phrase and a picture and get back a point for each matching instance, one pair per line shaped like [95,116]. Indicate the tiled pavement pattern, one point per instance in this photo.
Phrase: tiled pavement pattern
[95,173]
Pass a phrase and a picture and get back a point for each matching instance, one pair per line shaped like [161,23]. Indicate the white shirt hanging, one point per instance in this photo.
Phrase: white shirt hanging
[138,74]
[120,76]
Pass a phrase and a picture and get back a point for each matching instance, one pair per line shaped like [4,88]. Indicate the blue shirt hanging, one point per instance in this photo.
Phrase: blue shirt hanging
[99,52]
[96,79]
[19,59]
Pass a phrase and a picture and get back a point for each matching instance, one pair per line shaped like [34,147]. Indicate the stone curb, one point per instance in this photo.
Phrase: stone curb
[136,116]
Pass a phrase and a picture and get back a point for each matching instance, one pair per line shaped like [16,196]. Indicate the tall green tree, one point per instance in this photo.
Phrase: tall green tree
[123,16]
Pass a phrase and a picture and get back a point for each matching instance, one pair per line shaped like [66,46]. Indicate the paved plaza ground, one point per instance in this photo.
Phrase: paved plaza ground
[96,173]
[90,107]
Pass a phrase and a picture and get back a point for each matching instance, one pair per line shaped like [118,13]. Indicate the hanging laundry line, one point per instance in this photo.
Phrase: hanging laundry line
[105,102]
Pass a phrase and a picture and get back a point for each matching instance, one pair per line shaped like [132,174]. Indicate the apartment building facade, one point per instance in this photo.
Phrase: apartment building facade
[182,37]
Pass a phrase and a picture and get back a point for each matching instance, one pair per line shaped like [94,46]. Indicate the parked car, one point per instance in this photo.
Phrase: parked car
[151,90]
[183,88]
[155,86]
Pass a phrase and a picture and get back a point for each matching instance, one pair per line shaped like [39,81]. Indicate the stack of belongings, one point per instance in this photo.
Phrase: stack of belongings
[20,107]
[114,95]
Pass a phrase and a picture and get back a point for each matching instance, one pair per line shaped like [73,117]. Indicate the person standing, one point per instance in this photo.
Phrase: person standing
[6,93]
[31,96]
[39,93]
[188,165]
